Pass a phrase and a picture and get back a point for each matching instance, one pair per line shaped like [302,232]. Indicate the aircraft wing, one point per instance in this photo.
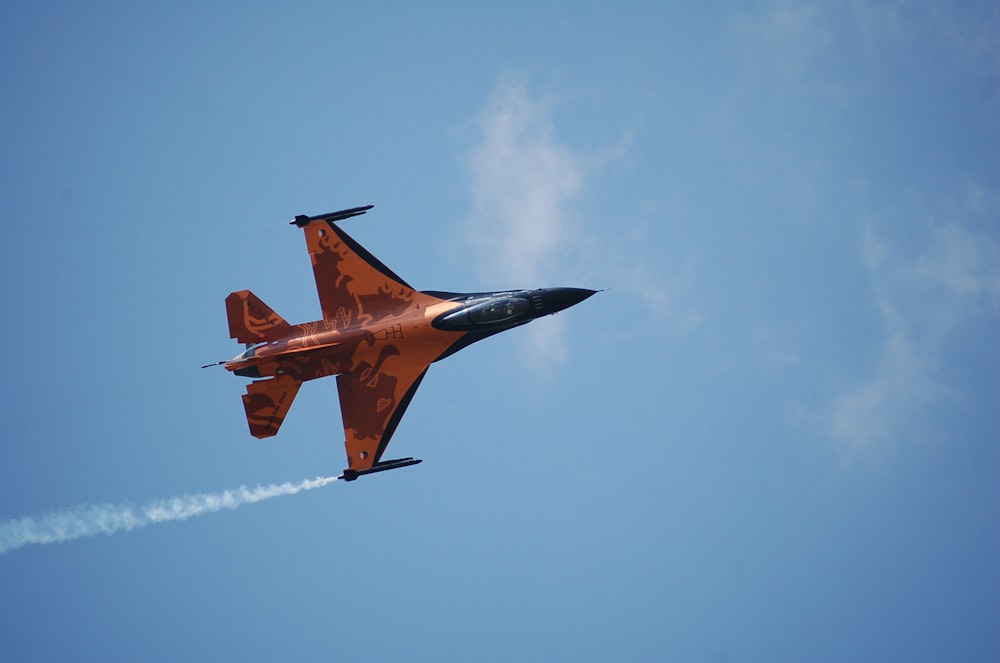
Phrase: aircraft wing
[357,290]
[373,397]
[354,286]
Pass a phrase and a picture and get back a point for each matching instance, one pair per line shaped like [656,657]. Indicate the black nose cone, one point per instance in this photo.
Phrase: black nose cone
[557,299]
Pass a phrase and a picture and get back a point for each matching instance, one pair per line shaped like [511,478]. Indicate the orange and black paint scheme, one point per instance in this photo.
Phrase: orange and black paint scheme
[377,335]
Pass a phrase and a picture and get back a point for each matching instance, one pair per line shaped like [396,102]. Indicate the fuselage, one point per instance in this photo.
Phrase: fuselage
[325,347]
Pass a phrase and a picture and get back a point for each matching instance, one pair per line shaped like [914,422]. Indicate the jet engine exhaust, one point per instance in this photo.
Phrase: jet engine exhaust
[92,519]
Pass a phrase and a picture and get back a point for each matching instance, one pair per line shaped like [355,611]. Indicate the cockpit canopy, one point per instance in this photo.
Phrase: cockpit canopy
[497,310]
[249,352]
[489,312]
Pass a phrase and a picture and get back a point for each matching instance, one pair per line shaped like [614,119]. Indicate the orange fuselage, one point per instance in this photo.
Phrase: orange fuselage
[320,349]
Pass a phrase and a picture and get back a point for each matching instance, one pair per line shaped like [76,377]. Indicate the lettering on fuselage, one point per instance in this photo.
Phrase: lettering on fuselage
[327,368]
[344,317]
[308,332]
[395,331]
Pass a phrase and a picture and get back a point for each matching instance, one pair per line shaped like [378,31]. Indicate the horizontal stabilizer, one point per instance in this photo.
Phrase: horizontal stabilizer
[266,403]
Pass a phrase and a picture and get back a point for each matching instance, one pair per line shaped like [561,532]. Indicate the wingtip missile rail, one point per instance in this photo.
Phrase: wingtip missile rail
[351,475]
[303,220]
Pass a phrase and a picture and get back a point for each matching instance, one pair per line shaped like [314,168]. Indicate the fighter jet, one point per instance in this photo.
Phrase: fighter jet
[378,335]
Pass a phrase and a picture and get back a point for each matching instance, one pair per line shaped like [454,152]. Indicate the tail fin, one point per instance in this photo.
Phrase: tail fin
[252,321]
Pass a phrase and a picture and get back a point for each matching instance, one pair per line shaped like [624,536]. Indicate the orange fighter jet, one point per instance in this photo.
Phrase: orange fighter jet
[378,336]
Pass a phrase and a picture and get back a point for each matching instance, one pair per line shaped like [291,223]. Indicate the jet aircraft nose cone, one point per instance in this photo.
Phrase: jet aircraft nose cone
[557,299]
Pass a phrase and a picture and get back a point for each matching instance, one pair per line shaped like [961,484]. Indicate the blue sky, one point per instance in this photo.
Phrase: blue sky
[773,438]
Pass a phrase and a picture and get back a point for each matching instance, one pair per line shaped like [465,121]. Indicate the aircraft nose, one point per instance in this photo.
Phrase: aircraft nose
[558,299]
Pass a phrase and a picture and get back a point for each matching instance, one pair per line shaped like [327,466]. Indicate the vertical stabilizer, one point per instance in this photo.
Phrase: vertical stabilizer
[252,321]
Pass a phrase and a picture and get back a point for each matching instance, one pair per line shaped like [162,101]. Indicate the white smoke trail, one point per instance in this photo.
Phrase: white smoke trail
[92,519]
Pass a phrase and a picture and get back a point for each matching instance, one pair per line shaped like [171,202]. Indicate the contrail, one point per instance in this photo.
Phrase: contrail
[91,519]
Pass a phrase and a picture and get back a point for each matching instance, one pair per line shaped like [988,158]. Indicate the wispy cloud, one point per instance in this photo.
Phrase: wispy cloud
[93,519]
[523,183]
[788,39]
[967,32]
[871,414]
[794,40]
[525,227]
[927,289]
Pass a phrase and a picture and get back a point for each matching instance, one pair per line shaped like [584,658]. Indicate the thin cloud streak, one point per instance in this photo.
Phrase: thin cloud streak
[524,228]
[93,519]
[522,183]
[924,301]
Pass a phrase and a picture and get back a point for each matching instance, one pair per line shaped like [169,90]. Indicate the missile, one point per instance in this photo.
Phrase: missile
[351,475]
[303,220]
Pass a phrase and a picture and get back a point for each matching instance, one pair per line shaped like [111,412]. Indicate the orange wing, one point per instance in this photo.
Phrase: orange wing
[354,286]
[373,397]
[357,290]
